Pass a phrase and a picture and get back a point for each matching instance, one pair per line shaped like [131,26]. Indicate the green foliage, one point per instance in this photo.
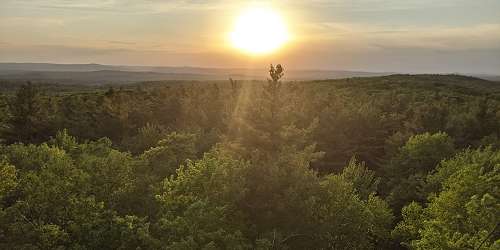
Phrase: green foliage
[407,170]
[8,179]
[408,230]
[347,221]
[362,178]
[464,213]
[29,113]
[264,164]
[170,153]
[262,130]
[4,116]
[354,116]
[192,216]
[66,199]
[147,137]
[285,205]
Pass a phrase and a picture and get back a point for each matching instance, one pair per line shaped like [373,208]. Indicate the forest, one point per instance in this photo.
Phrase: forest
[389,162]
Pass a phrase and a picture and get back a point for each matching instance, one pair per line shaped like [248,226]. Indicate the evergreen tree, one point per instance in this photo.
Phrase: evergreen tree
[28,119]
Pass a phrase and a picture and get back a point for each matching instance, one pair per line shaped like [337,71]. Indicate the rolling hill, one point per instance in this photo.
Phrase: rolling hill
[115,74]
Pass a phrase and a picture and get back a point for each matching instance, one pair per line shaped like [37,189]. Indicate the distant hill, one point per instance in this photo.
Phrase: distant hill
[55,67]
[97,73]
[103,74]
[96,77]
[466,84]
[495,78]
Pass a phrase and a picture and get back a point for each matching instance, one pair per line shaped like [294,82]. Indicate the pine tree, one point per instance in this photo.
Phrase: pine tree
[26,123]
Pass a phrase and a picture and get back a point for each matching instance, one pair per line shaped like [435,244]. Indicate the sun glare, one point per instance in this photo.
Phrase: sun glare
[259,31]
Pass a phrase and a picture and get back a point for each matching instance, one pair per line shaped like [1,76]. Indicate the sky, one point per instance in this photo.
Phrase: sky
[412,36]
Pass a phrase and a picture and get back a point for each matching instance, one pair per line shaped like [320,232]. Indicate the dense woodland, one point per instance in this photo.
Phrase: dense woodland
[394,162]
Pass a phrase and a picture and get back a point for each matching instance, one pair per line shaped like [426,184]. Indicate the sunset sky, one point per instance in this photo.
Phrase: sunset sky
[370,35]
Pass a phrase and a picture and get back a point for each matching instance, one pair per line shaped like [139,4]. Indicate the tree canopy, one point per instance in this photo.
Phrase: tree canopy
[394,162]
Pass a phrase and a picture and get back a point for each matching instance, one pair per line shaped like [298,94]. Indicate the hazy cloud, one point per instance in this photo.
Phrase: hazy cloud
[116,6]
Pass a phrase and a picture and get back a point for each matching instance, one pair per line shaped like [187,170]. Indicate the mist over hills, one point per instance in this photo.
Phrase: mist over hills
[102,74]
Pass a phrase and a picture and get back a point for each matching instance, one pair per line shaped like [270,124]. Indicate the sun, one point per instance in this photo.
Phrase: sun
[259,31]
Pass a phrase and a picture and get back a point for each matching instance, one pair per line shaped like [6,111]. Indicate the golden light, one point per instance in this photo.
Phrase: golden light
[259,31]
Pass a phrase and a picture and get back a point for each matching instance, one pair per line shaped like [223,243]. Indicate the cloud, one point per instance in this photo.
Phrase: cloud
[121,42]
[380,5]
[117,6]
[481,36]
[37,22]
